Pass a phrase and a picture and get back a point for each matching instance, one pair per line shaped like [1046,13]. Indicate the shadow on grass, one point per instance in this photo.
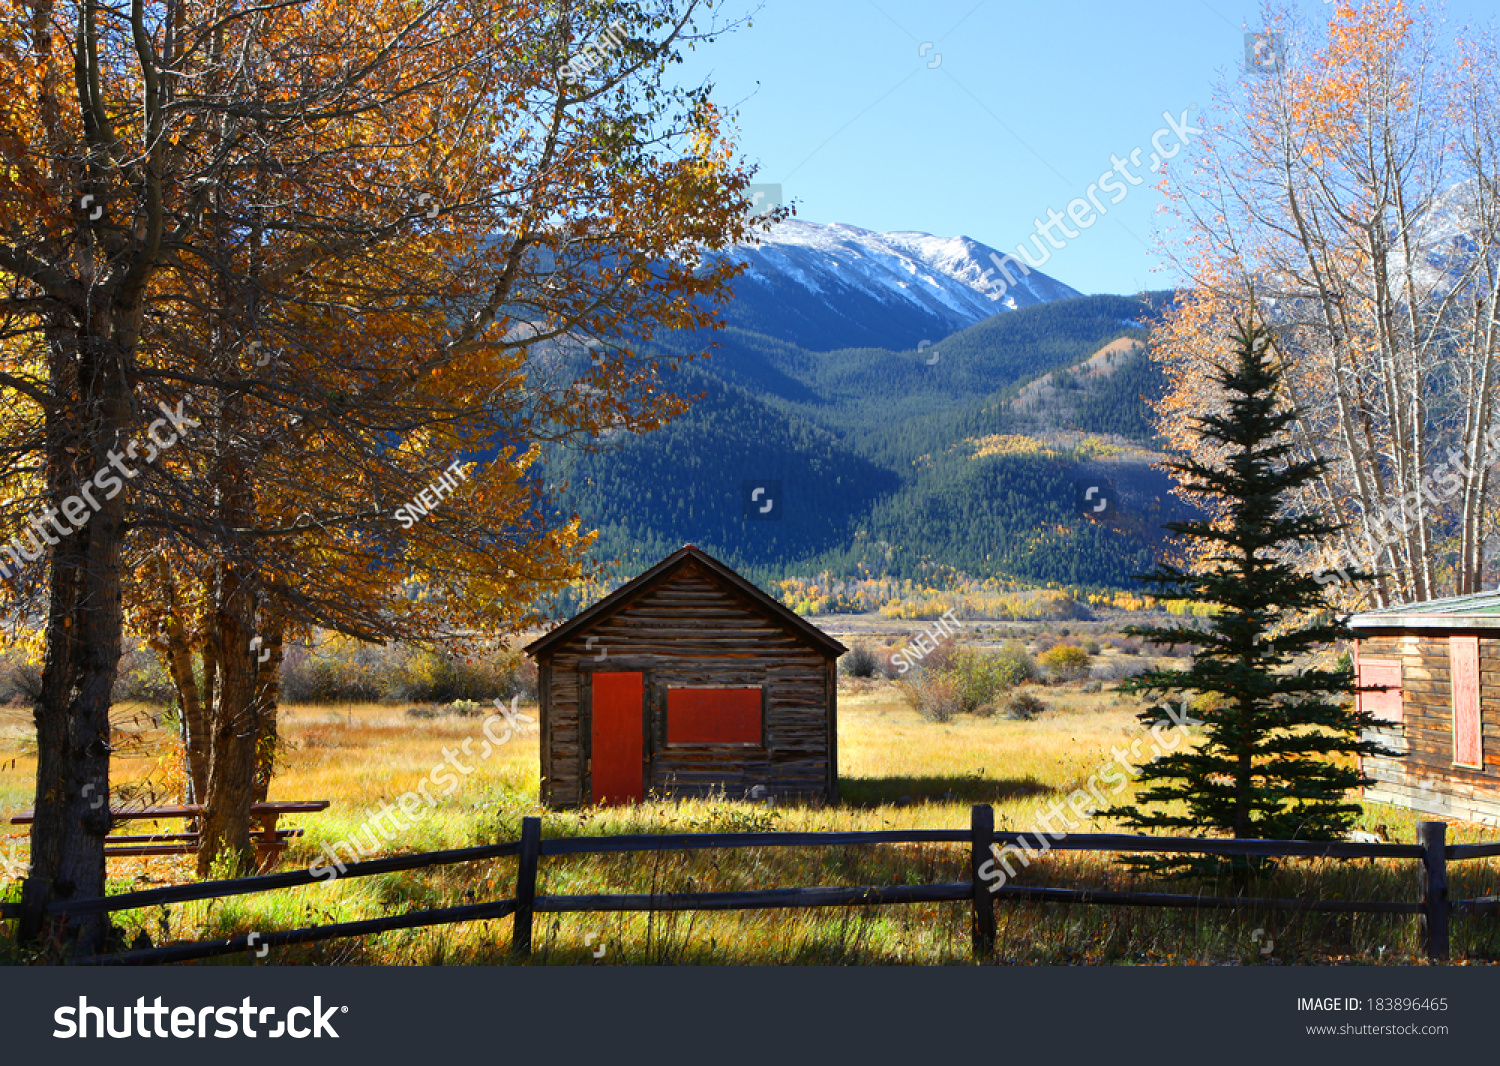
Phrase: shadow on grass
[879,791]
[1052,933]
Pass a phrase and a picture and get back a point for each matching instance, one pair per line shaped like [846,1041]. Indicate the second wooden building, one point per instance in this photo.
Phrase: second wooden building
[1439,666]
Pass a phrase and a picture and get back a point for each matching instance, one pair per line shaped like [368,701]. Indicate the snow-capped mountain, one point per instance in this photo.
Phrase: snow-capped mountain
[837,286]
[1450,236]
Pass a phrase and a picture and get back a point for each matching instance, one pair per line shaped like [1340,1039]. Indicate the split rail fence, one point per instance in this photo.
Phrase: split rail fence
[1434,910]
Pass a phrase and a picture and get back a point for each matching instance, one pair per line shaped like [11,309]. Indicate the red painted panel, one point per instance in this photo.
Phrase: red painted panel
[618,774]
[1463,658]
[713,716]
[1385,706]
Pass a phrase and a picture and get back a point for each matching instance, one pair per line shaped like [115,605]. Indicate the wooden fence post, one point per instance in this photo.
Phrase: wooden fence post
[982,835]
[531,848]
[1432,836]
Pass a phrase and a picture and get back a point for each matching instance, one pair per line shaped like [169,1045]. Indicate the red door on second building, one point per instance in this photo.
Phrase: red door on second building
[1468,738]
[617,770]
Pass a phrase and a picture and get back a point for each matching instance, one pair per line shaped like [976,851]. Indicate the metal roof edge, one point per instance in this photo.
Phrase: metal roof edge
[1438,606]
[1424,621]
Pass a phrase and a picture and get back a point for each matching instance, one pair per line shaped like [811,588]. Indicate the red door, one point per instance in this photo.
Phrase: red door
[1468,745]
[617,772]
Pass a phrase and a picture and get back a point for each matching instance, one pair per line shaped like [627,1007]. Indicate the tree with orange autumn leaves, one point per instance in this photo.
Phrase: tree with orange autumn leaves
[359,249]
[1353,196]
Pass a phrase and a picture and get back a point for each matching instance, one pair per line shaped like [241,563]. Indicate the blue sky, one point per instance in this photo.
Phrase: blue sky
[975,117]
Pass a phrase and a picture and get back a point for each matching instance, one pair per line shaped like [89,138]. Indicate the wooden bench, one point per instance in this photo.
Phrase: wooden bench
[269,841]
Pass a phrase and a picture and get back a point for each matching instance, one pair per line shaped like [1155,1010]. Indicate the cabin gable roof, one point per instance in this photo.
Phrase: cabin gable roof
[627,594]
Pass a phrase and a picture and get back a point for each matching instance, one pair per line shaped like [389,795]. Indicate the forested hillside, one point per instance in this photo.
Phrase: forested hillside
[964,454]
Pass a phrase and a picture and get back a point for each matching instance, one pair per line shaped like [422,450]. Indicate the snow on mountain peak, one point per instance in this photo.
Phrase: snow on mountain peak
[956,273]
[826,286]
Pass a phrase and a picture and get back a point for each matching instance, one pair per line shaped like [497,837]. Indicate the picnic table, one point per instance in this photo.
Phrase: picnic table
[270,841]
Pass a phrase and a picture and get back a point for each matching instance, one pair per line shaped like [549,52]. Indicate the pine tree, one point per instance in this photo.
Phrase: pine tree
[1272,756]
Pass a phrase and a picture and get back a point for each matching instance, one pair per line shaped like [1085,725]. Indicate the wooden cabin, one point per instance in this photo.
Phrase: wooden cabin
[687,681]
[1440,661]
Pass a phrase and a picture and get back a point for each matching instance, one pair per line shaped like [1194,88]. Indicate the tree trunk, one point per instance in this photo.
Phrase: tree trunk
[236,733]
[235,712]
[83,632]
[267,699]
[72,776]
[172,644]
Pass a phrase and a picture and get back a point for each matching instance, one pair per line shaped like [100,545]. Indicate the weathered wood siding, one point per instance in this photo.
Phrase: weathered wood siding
[690,630]
[1426,779]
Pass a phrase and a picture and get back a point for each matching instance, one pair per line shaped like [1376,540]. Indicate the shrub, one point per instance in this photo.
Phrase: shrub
[1175,651]
[1024,706]
[940,659]
[1091,646]
[915,654]
[978,677]
[524,682]
[860,661]
[143,678]
[883,665]
[935,697]
[1066,662]
[428,676]
[340,670]
[335,670]
[964,679]
[1017,660]
[1116,670]
[20,677]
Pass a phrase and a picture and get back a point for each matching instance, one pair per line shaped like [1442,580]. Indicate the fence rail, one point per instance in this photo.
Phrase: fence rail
[1026,893]
[1434,909]
[239,886]
[252,942]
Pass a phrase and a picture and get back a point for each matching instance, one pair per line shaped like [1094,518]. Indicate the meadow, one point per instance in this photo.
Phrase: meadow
[897,769]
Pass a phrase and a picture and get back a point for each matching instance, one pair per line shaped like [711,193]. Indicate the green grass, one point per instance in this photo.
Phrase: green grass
[897,771]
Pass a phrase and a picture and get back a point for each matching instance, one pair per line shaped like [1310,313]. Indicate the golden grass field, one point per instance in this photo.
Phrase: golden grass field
[897,771]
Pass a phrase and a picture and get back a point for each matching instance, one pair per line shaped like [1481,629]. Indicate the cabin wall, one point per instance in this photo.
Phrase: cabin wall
[1426,779]
[689,630]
